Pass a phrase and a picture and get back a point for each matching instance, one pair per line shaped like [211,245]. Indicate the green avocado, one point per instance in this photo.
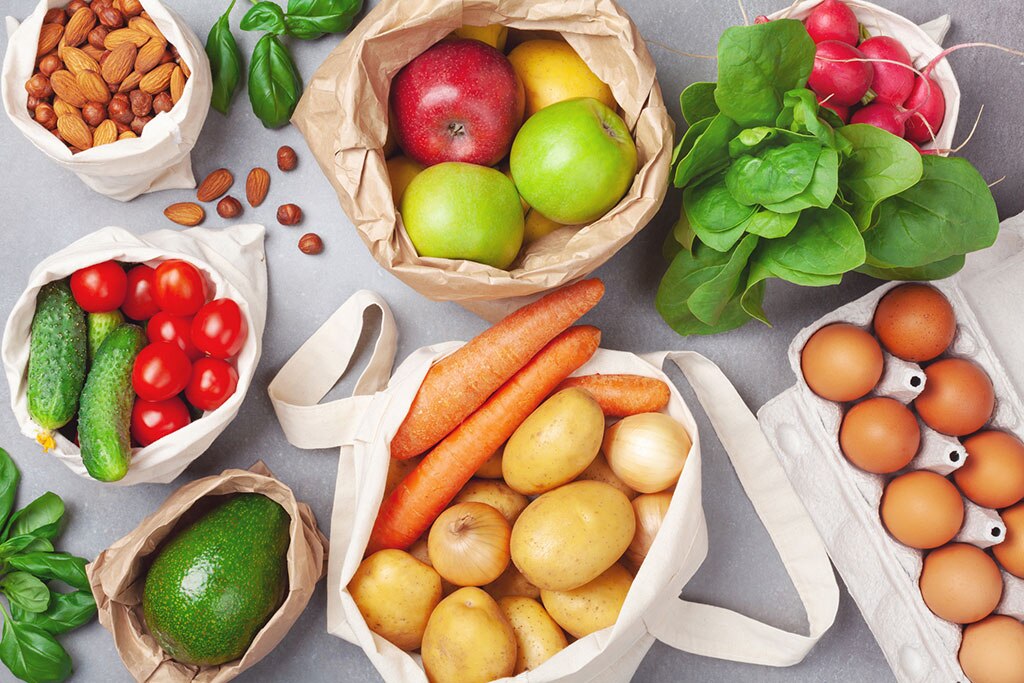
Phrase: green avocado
[214,585]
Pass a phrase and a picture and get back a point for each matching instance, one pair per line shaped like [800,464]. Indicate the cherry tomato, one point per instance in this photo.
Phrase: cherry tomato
[213,382]
[180,287]
[140,301]
[100,288]
[152,420]
[173,329]
[161,371]
[219,329]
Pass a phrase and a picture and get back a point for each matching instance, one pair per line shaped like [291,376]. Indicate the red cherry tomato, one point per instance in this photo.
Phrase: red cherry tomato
[140,301]
[173,329]
[152,420]
[213,382]
[100,288]
[180,287]
[219,329]
[161,371]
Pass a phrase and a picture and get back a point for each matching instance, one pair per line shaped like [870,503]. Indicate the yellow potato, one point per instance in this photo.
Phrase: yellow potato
[494,35]
[511,584]
[600,470]
[555,443]
[538,637]
[492,468]
[468,640]
[537,225]
[496,494]
[420,552]
[591,607]
[570,536]
[401,171]
[551,71]
[396,594]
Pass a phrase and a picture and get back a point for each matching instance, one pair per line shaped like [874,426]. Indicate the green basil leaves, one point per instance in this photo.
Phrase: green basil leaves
[310,19]
[264,16]
[225,62]
[274,83]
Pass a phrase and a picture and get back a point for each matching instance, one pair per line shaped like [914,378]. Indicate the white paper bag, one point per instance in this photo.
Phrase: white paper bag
[365,423]
[160,159]
[234,264]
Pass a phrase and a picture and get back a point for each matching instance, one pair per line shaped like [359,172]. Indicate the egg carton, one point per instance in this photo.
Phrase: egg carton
[882,574]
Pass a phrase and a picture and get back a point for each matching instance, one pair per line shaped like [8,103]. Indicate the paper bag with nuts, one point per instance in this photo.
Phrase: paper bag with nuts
[115,91]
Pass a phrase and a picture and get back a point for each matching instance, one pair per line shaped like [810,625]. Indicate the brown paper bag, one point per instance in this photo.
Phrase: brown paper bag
[117,572]
[344,117]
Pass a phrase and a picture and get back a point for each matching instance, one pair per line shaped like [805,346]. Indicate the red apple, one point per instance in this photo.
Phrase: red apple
[459,101]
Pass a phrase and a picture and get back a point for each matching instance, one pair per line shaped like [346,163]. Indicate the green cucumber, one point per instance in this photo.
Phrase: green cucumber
[57,356]
[104,420]
[100,325]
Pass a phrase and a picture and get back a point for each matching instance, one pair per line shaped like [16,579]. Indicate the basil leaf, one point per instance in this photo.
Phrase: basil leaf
[67,611]
[709,153]
[274,83]
[697,102]
[821,191]
[264,16]
[225,62]
[709,300]
[40,518]
[824,242]
[687,272]
[882,165]
[32,654]
[310,19]
[25,591]
[775,175]
[17,544]
[50,566]
[9,477]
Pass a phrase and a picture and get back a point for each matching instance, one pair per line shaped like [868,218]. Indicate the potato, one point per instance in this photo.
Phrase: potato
[569,536]
[492,468]
[600,470]
[420,552]
[511,584]
[396,594]
[591,607]
[496,494]
[538,637]
[554,444]
[468,640]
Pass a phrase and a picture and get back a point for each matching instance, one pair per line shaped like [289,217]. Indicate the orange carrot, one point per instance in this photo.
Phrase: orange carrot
[622,395]
[460,383]
[414,505]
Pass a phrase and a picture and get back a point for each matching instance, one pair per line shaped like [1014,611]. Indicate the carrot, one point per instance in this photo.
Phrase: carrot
[460,383]
[414,505]
[622,395]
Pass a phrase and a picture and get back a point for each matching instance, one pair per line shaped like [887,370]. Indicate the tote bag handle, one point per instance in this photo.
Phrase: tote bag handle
[717,632]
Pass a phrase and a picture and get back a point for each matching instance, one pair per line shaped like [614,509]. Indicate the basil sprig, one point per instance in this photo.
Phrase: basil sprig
[225,62]
[274,83]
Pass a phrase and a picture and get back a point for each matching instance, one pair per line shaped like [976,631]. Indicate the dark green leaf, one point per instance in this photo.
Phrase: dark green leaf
[688,271]
[67,611]
[670,247]
[800,115]
[17,544]
[8,484]
[713,215]
[40,518]
[32,654]
[710,299]
[933,271]
[685,143]
[880,166]
[683,233]
[274,83]
[752,300]
[50,566]
[770,224]
[824,242]
[697,102]
[775,175]
[309,19]
[225,62]
[710,151]
[25,591]
[264,16]
[821,192]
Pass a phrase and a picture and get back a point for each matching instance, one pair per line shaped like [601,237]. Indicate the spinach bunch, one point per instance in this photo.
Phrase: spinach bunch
[775,186]
[28,562]
[274,82]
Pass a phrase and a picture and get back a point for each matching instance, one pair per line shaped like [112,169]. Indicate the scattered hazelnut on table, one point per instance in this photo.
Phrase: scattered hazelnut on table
[287,160]
[289,214]
[229,207]
[310,243]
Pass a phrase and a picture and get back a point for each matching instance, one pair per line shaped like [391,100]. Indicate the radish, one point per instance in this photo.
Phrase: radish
[885,116]
[761,19]
[892,83]
[833,20]
[927,110]
[839,73]
[842,112]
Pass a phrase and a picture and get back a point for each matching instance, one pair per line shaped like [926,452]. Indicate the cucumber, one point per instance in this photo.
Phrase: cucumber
[57,358]
[100,325]
[104,420]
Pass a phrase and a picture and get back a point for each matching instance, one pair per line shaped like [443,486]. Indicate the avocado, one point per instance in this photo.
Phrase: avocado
[214,585]
[57,356]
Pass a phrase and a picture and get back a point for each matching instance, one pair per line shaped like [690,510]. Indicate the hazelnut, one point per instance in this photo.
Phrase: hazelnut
[33,102]
[229,207]
[166,57]
[98,36]
[45,116]
[39,86]
[289,214]
[132,8]
[139,122]
[123,127]
[310,243]
[55,16]
[110,17]
[120,109]
[94,113]
[162,102]
[75,5]
[97,5]
[49,64]
[286,158]
[142,102]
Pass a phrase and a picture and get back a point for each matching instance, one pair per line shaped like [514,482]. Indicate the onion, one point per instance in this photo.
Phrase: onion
[647,451]
[650,510]
[469,544]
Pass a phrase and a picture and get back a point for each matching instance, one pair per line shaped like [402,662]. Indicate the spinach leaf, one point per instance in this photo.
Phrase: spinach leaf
[50,566]
[688,271]
[670,247]
[689,138]
[697,102]
[713,215]
[933,271]
[310,19]
[225,62]
[274,83]
[821,191]
[682,232]
[25,591]
[710,299]
[67,611]
[770,224]
[948,213]
[775,175]
[880,166]
[757,65]
[824,242]
[40,518]
[800,115]
[752,301]
[264,16]
[709,153]
[9,477]
[32,654]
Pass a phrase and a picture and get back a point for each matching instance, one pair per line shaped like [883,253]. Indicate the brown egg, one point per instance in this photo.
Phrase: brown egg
[958,397]
[961,583]
[992,650]
[880,435]
[922,509]
[993,475]
[915,322]
[841,362]
[1010,552]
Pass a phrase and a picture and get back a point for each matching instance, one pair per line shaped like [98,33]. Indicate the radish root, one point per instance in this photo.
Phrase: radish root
[743,11]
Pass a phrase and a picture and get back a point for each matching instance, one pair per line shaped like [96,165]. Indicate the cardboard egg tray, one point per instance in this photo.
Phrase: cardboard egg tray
[881,573]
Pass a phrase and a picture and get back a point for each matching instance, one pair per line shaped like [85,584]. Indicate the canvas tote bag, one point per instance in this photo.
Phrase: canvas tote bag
[364,424]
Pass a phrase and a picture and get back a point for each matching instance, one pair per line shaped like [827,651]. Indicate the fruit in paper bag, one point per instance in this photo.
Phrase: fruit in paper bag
[551,72]
[494,35]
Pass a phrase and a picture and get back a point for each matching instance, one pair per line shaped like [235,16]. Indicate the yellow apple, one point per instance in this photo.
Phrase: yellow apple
[551,71]
[401,171]
[537,226]
[494,35]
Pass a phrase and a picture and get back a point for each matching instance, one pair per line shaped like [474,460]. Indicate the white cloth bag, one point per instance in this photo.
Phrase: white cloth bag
[233,261]
[160,159]
[364,424]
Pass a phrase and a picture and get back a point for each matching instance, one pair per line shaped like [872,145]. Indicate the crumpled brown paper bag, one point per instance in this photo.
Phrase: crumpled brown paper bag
[343,115]
[117,572]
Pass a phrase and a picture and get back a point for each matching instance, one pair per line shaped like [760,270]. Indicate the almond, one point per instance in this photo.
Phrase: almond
[125,35]
[49,37]
[127,135]
[184,68]
[257,185]
[185,213]
[77,30]
[158,79]
[93,87]
[76,60]
[146,26]
[177,84]
[74,131]
[215,185]
[62,108]
[94,52]
[104,134]
[119,63]
[65,85]
[150,55]
[131,82]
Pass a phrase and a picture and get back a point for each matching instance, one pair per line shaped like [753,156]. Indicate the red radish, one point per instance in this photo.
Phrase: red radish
[833,20]
[838,75]
[885,116]
[892,83]
[927,106]
[761,19]
[842,112]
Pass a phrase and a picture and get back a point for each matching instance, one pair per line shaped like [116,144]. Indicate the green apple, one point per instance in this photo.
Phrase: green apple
[464,211]
[573,160]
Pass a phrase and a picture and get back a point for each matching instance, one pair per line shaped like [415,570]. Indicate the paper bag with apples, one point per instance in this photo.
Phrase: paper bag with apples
[344,116]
